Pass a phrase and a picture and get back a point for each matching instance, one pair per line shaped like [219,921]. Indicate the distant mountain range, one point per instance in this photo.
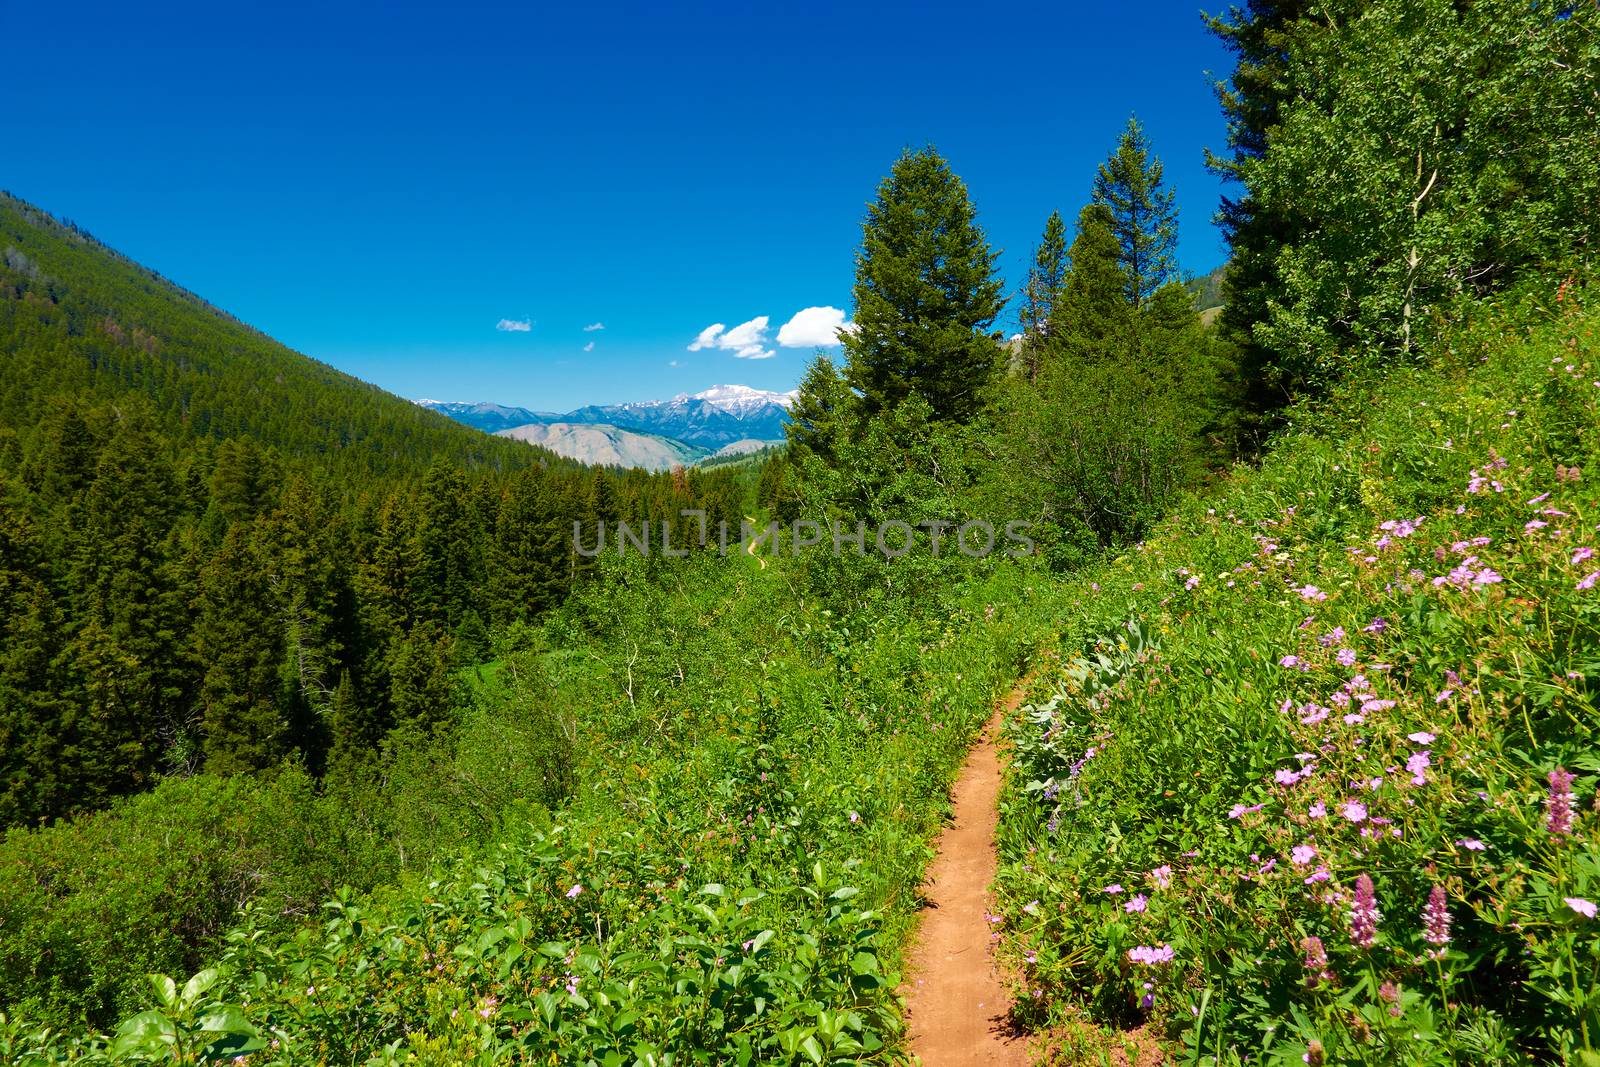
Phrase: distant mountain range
[722,421]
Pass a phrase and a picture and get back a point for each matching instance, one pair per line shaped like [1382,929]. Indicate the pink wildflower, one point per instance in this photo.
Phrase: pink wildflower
[1558,803]
[1149,956]
[1136,904]
[1364,913]
[1354,810]
[1436,921]
[1583,907]
[1301,855]
[1316,962]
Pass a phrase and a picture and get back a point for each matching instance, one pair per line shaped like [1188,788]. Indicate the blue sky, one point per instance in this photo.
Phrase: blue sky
[380,185]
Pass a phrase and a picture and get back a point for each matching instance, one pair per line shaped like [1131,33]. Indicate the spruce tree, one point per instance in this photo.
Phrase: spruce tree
[1091,317]
[822,409]
[238,643]
[1046,276]
[31,785]
[1144,214]
[533,534]
[925,295]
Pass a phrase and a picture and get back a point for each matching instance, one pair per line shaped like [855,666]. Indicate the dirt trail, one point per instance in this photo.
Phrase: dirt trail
[956,1002]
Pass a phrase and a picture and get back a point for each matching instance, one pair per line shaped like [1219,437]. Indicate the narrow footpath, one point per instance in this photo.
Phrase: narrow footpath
[956,1002]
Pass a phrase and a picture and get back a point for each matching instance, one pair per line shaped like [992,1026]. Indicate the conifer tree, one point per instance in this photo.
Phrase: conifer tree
[1144,214]
[448,546]
[1092,317]
[1046,276]
[237,641]
[823,408]
[422,686]
[925,295]
[127,653]
[31,710]
[533,533]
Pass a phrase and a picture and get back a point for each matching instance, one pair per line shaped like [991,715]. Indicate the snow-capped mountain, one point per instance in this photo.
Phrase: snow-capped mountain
[741,400]
[490,418]
[718,416]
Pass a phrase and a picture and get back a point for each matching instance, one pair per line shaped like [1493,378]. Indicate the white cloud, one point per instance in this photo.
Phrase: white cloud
[514,325]
[707,338]
[589,347]
[748,340]
[593,326]
[814,327]
[672,363]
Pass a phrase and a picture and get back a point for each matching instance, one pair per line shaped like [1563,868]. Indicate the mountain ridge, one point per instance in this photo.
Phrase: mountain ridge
[703,422]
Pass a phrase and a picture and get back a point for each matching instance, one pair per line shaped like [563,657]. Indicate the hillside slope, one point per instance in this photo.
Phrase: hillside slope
[600,445]
[1312,782]
[80,321]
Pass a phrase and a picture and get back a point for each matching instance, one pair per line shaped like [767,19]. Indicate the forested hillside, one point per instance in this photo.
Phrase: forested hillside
[323,742]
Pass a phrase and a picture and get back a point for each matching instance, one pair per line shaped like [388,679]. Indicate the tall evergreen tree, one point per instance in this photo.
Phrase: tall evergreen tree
[1144,213]
[1046,276]
[925,295]
[127,652]
[449,546]
[237,639]
[31,710]
[533,534]
[1092,317]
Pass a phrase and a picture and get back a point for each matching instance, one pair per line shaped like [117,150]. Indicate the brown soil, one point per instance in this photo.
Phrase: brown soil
[956,1001]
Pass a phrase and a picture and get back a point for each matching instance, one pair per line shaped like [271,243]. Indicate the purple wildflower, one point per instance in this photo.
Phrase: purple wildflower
[1376,626]
[1136,903]
[572,893]
[1588,580]
[1364,913]
[1161,876]
[1317,970]
[1472,844]
[1149,956]
[1353,810]
[1436,921]
[1583,907]
[1558,803]
[1581,554]
[1417,764]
